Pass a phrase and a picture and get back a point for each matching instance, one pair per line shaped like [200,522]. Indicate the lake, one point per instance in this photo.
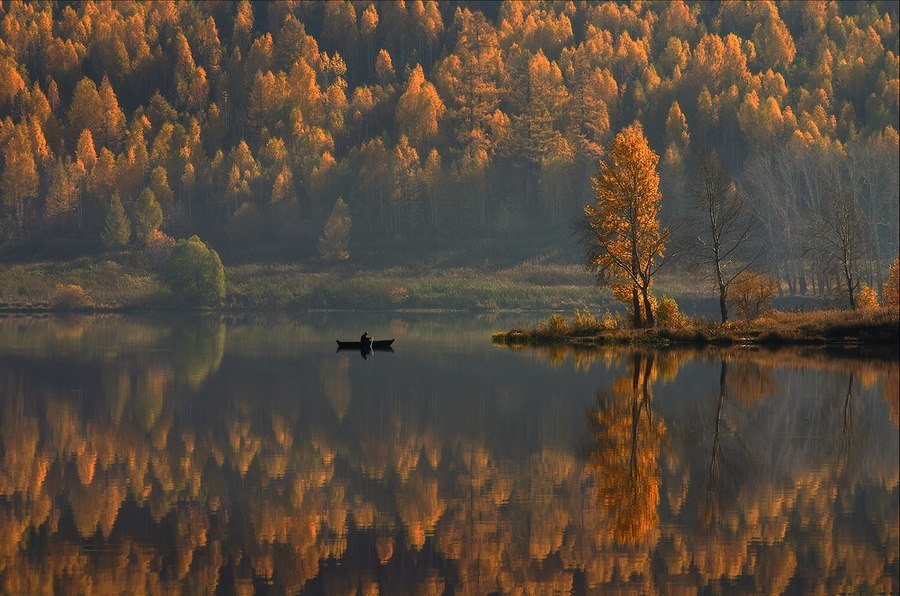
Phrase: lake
[208,455]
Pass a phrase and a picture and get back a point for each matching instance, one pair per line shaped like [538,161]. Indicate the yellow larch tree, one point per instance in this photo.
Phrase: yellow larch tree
[626,243]
[419,109]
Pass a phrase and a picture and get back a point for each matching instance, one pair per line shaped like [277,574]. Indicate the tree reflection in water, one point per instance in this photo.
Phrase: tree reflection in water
[624,453]
[151,456]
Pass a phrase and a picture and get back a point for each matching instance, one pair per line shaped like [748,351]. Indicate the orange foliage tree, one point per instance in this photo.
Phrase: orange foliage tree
[626,242]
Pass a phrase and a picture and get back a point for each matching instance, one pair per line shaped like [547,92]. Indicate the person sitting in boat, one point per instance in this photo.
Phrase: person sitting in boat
[364,338]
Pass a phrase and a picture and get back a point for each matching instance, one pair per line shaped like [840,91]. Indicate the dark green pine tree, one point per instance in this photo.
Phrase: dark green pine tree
[117,228]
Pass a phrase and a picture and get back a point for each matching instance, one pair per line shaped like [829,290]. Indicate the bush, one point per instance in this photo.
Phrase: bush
[751,294]
[611,321]
[194,273]
[585,322]
[399,295]
[69,297]
[556,326]
[668,314]
[158,248]
[868,298]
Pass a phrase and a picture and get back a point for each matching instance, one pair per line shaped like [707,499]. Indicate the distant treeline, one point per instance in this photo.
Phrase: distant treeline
[434,121]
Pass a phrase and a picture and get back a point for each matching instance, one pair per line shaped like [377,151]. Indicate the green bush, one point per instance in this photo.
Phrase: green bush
[194,273]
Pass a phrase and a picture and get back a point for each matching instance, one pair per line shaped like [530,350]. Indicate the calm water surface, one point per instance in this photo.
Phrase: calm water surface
[209,456]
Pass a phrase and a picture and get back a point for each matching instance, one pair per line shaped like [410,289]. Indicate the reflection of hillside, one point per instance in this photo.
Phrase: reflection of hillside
[146,477]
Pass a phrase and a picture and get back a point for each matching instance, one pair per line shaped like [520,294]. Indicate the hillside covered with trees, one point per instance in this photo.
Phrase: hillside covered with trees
[295,130]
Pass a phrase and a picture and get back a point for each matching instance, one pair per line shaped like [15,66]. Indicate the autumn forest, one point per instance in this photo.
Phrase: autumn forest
[299,131]
[198,197]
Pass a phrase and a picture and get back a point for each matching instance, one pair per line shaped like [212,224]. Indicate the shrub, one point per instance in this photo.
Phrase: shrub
[868,298]
[556,326]
[69,297]
[194,273]
[399,295]
[668,314]
[611,321]
[584,321]
[158,247]
[751,294]
[890,294]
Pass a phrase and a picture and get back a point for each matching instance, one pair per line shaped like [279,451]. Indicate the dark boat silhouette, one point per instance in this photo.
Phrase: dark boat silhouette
[378,344]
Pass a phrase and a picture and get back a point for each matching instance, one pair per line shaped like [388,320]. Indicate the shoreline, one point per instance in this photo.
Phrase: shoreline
[877,327]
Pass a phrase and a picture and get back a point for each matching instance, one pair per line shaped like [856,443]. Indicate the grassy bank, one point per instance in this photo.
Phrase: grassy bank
[125,281]
[872,326]
[255,286]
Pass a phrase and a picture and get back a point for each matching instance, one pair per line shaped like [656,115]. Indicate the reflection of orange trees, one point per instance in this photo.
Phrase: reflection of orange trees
[420,506]
[623,457]
[749,382]
[667,363]
[473,533]
[392,449]
[548,518]
[268,494]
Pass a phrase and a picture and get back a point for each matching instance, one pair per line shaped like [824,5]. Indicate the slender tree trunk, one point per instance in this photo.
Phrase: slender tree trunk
[848,277]
[723,306]
[723,289]
[636,308]
[648,309]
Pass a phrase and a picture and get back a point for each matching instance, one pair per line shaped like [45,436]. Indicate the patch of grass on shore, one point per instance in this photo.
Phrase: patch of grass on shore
[123,280]
[107,282]
[288,286]
[876,326]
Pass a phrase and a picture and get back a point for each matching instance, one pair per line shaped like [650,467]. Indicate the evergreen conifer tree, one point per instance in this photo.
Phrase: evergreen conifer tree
[147,216]
[336,235]
[117,227]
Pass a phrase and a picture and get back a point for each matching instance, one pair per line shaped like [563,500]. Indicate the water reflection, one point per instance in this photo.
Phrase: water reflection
[626,439]
[208,456]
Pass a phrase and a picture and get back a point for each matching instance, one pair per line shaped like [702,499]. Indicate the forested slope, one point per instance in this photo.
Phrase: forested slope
[433,121]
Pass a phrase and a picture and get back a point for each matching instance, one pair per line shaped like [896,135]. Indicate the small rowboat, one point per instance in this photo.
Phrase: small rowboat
[378,344]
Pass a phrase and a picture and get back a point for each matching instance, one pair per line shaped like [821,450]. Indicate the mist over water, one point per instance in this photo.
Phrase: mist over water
[222,455]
